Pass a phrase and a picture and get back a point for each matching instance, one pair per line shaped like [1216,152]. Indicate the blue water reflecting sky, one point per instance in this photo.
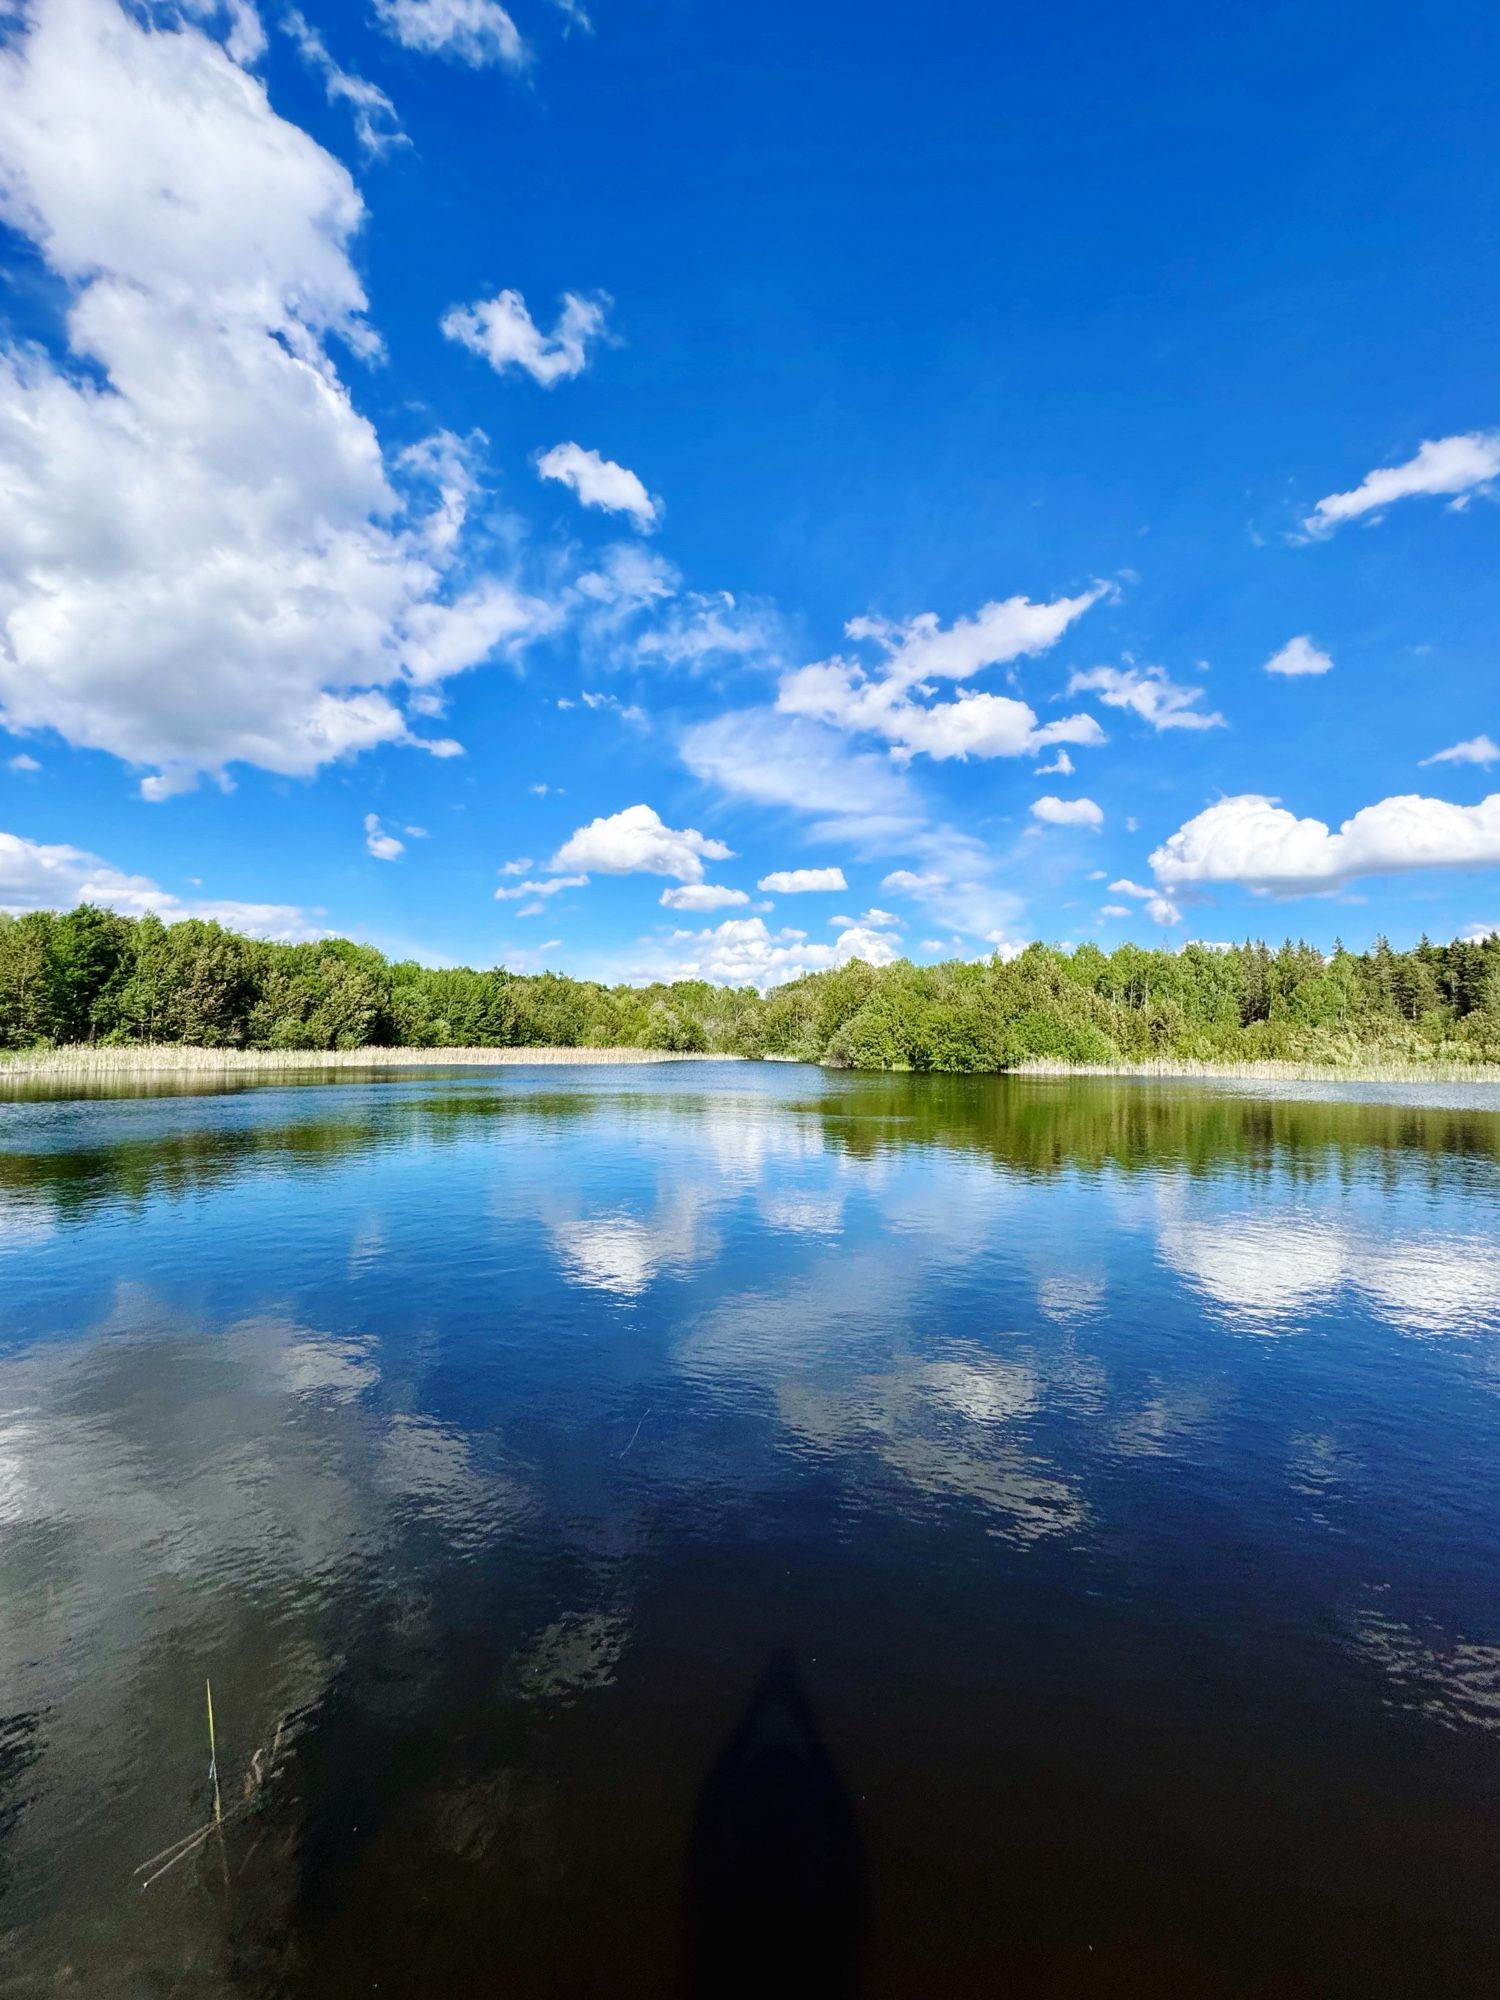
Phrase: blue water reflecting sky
[1102,1449]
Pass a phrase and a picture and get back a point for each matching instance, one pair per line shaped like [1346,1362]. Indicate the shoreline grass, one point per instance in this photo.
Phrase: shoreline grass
[177,1059]
[1272,1071]
[168,1059]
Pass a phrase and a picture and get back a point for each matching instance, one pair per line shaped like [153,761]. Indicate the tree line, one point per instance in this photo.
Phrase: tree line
[92,976]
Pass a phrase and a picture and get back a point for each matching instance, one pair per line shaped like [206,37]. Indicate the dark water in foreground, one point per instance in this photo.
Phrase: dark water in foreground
[1118,1463]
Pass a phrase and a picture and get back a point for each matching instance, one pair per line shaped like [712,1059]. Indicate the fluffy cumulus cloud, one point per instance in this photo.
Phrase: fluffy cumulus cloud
[204,557]
[384,846]
[1053,811]
[22,764]
[743,951]
[1257,842]
[34,876]
[476,32]
[503,332]
[638,842]
[1481,750]
[1297,657]
[1452,468]
[801,881]
[891,699]
[1147,692]
[599,482]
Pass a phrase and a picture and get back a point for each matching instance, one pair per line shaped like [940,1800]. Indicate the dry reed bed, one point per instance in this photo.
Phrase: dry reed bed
[1276,1072]
[170,1058]
[167,1059]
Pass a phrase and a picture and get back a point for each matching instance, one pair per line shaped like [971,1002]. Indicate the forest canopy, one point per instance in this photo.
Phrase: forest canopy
[92,976]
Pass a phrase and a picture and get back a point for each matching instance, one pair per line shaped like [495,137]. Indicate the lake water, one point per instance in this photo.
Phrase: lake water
[736,1528]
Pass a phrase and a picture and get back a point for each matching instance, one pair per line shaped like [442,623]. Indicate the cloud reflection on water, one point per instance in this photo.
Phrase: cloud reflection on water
[1266,1269]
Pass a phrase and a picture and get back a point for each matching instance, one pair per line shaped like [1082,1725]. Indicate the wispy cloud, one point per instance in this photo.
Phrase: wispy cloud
[1149,693]
[476,32]
[36,876]
[376,123]
[1477,750]
[1451,467]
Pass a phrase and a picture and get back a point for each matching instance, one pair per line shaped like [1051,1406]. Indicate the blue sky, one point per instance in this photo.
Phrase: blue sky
[1035,469]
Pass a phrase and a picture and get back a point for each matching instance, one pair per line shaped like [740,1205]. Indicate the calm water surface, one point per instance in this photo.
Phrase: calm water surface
[1110,1469]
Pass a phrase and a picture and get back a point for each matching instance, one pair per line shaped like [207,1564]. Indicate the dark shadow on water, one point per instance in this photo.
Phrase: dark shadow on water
[776,1876]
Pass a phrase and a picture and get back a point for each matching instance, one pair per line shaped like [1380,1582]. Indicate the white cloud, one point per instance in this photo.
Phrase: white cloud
[503,332]
[920,649]
[883,702]
[384,846]
[701,896]
[1148,693]
[1255,841]
[1299,656]
[204,557]
[1067,812]
[1477,750]
[799,881]
[860,801]
[539,891]
[38,877]
[710,625]
[628,711]
[1477,933]
[1060,767]
[783,761]
[1159,908]
[632,609]
[477,32]
[599,482]
[1451,466]
[376,124]
[522,866]
[742,951]
[21,762]
[637,841]
[1115,910]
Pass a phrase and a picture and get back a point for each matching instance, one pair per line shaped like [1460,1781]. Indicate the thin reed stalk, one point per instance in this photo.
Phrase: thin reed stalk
[261,1768]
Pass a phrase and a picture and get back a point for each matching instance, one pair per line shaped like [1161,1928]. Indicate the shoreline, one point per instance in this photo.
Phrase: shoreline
[1184,1069]
[181,1059]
